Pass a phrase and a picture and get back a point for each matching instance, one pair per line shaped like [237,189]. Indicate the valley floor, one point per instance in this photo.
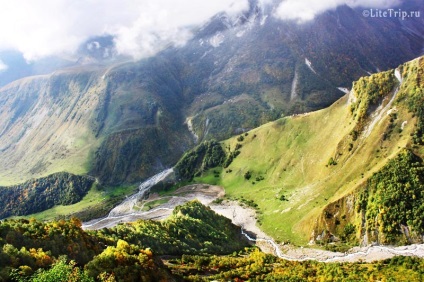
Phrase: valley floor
[158,207]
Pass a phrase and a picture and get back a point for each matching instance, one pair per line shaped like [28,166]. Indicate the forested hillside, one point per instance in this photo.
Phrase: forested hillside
[128,251]
[31,250]
[41,194]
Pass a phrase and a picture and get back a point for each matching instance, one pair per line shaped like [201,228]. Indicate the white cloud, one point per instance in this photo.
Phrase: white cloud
[305,10]
[40,28]
[157,26]
[3,66]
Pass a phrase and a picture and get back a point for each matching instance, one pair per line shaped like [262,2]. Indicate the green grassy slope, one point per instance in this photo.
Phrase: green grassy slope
[46,125]
[97,203]
[92,120]
[309,161]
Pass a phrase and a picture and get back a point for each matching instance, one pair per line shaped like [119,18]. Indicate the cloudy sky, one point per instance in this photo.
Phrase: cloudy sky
[39,28]
[42,27]
[3,66]
[305,10]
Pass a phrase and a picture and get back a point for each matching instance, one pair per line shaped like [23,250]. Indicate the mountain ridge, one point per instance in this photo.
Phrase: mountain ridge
[296,182]
[232,77]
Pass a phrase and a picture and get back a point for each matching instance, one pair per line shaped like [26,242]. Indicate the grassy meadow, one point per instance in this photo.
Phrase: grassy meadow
[300,164]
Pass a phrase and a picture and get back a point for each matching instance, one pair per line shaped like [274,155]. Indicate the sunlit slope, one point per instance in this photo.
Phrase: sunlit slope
[46,125]
[291,155]
[94,120]
[123,121]
[311,160]
[388,206]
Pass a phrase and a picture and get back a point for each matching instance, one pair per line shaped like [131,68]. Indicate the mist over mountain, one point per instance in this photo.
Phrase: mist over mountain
[300,122]
[121,120]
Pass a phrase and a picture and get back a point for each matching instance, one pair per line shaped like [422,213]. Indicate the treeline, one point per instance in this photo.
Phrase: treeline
[30,249]
[369,91]
[37,195]
[191,229]
[257,266]
[394,197]
[208,154]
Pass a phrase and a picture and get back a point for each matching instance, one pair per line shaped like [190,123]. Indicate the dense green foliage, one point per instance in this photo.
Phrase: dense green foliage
[369,91]
[40,194]
[416,98]
[61,271]
[192,228]
[127,262]
[124,262]
[257,266]
[56,237]
[394,197]
[124,252]
[208,154]
[61,251]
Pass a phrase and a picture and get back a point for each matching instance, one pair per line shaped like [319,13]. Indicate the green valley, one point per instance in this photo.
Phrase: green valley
[32,250]
[28,245]
[245,140]
[295,167]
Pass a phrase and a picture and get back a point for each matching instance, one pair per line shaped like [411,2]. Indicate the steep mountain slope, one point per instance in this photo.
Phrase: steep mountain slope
[268,67]
[47,124]
[125,121]
[293,168]
[57,122]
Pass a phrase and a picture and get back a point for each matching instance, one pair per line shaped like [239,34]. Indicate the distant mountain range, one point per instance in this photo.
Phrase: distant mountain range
[121,121]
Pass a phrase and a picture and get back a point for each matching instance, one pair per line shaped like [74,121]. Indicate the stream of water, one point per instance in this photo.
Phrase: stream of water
[370,253]
[127,210]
